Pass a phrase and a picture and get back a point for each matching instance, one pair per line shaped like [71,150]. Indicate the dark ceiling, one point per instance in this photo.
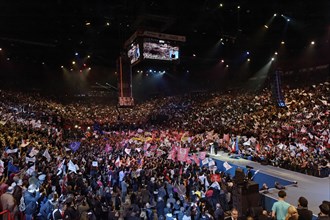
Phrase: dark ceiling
[52,31]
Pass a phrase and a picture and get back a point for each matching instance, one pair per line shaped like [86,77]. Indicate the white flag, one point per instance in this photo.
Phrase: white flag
[29,159]
[33,152]
[31,170]
[128,151]
[227,166]
[2,167]
[47,155]
[11,151]
[72,167]
[205,161]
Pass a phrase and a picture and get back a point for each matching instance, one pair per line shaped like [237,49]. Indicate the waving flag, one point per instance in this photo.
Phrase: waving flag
[118,162]
[128,151]
[107,148]
[47,155]
[33,152]
[183,154]
[60,167]
[227,166]
[11,151]
[30,159]
[196,159]
[74,146]
[2,167]
[72,167]
[258,147]
[31,170]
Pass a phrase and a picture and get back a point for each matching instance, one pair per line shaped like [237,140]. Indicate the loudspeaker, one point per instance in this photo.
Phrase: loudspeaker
[252,187]
[239,176]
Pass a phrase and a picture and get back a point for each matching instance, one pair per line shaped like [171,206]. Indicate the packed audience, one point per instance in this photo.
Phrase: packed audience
[94,161]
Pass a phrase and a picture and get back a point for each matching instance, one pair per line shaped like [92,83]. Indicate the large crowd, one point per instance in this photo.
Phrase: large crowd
[95,161]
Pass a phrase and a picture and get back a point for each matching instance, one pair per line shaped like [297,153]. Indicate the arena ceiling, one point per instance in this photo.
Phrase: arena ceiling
[53,31]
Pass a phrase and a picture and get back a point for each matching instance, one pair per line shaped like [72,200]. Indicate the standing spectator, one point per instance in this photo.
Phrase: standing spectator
[31,197]
[233,215]
[324,212]
[124,187]
[292,213]
[8,203]
[218,213]
[280,208]
[304,213]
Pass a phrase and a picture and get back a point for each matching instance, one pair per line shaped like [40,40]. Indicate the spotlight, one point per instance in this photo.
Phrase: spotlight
[248,59]
[266,26]
[0,49]
[288,19]
[313,42]
[275,53]
[76,54]
[247,52]
[222,61]
[282,42]
[275,15]
[62,67]
[73,62]
[273,58]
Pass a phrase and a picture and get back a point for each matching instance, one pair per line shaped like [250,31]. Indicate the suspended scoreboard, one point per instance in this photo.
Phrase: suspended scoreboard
[148,45]
[143,46]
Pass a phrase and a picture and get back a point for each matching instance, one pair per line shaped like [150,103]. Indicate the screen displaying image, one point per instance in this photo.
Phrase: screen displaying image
[160,50]
[134,52]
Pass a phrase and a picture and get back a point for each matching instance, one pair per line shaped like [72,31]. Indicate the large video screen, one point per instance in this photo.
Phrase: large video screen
[133,52]
[160,49]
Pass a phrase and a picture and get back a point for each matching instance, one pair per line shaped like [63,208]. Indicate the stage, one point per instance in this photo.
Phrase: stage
[315,189]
